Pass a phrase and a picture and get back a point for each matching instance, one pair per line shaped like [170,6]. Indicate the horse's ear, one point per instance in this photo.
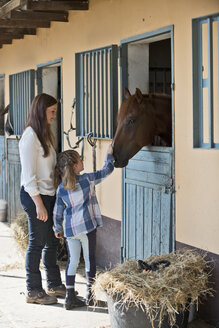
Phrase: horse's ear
[138,95]
[127,93]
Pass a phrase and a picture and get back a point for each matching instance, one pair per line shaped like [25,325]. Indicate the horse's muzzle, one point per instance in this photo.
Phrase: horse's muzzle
[120,164]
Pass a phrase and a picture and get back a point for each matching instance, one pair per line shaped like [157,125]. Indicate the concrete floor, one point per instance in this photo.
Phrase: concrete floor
[15,313]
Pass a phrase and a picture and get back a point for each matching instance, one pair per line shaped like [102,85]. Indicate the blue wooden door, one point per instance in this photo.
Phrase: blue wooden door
[3,190]
[13,179]
[22,88]
[147,224]
[148,209]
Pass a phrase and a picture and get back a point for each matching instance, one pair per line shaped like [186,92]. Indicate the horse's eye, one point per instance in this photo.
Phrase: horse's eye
[130,121]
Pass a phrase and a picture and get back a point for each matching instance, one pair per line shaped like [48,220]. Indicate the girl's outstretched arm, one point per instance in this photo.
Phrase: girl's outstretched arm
[107,169]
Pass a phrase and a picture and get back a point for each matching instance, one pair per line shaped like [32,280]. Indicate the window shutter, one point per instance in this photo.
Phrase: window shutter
[96,92]
[21,95]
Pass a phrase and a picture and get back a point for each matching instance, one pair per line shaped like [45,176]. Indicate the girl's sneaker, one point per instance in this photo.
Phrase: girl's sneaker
[71,300]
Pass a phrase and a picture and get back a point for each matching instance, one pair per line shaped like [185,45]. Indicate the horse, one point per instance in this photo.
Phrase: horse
[140,119]
[8,126]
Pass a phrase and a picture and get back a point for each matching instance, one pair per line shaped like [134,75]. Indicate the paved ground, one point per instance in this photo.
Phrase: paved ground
[15,313]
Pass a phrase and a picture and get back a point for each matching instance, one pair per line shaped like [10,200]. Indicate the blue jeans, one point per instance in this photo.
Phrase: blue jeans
[42,243]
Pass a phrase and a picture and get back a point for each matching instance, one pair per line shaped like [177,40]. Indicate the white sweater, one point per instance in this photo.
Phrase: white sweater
[36,171]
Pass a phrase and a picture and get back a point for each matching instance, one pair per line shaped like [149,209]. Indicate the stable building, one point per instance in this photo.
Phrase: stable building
[85,53]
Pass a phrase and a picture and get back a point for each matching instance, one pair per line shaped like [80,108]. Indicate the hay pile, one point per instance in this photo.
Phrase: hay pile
[161,292]
[20,232]
[21,235]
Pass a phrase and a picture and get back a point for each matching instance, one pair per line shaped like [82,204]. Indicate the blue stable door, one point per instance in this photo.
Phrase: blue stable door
[148,204]
[147,223]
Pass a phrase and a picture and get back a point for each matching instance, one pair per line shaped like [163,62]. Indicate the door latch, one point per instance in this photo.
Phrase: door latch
[169,190]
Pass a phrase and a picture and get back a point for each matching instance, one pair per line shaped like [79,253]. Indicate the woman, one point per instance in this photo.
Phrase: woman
[38,159]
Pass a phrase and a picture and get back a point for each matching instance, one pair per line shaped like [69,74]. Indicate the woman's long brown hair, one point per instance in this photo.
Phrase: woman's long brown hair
[38,121]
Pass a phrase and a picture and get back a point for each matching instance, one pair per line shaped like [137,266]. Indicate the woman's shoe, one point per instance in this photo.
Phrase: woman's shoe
[40,297]
[58,291]
[71,300]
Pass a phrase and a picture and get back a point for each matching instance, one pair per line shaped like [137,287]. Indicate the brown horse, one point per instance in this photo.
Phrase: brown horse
[140,119]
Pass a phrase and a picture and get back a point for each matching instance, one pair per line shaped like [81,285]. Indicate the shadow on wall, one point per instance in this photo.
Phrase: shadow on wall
[108,243]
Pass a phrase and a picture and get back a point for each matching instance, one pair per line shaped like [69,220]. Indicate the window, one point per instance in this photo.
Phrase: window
[21,95]
[96,92]
[205,53]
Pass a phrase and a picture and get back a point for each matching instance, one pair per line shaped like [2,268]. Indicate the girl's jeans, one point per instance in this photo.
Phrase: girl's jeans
[74,244]
[42,242]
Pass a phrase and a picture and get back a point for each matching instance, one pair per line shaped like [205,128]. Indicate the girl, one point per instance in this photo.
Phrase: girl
[76,201]
[38,158]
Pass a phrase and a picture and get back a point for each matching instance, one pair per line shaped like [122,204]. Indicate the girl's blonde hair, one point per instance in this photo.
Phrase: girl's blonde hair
[64,169]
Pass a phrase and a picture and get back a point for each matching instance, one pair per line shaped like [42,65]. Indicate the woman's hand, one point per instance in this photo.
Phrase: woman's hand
[40,208]
[42,213]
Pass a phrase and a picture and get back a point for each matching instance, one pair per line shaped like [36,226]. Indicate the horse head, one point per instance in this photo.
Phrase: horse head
[135,123]
[138,122]
[8,126]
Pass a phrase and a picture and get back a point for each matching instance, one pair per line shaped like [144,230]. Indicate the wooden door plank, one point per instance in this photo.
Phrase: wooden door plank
[17,205]
[156,223]
[13,179]
[148,216]
[159,179]
[127,219]
[139,223]
[2,169]
[153,167]
[166,235]
[152,156]
[132,221]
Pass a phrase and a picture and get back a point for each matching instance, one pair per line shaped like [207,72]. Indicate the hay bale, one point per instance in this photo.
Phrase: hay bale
[162,292]
[21,236]
[20,232]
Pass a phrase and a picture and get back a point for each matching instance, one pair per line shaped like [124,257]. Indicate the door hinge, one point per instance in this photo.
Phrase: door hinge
[172,86]
[122,253]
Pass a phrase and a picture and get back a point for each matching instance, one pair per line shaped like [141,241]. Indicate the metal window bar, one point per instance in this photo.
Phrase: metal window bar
[96,92]
[161,85]
[21,96]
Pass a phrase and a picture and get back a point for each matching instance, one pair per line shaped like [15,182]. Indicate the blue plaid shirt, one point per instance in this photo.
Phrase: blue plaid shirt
[77,211]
